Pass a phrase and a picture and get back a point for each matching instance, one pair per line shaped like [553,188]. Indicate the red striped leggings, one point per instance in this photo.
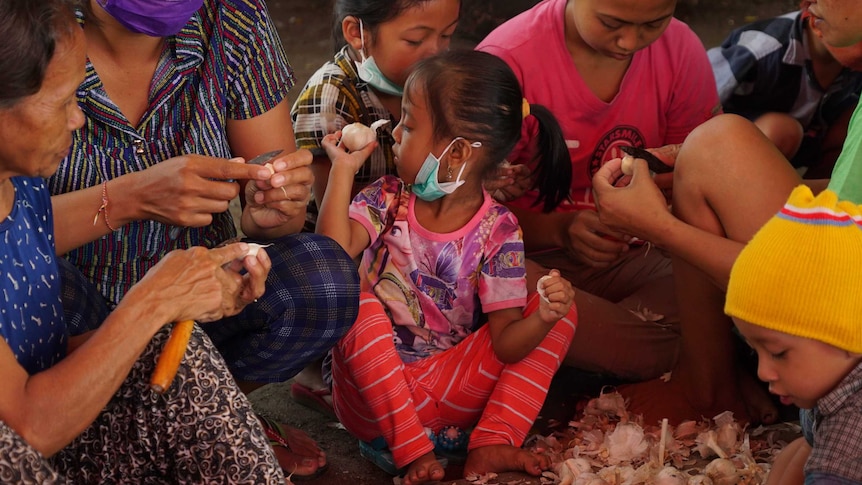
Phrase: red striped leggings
[375,394]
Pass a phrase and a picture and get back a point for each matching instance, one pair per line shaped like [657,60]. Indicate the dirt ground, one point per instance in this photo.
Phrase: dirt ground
[304,27]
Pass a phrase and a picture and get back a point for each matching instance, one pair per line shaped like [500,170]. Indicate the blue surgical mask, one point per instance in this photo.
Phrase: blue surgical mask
[426,186]
[370,73]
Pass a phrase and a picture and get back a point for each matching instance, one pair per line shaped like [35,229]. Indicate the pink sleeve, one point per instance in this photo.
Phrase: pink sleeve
[503,277]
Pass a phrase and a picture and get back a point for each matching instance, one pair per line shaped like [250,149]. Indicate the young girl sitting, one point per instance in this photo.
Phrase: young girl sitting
[439,258]
[378,42]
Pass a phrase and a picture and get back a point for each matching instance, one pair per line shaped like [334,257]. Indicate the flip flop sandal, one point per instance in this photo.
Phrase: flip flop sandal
[277,437]
[313,399]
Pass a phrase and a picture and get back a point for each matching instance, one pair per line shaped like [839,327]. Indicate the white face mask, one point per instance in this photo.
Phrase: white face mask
[370,73]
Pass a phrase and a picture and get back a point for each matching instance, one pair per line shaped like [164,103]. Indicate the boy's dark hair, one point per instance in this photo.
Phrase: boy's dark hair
[476,95]
[30,31]
[371,12]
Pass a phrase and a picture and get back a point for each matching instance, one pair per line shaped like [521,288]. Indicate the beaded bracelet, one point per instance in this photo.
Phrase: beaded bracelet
[104,207]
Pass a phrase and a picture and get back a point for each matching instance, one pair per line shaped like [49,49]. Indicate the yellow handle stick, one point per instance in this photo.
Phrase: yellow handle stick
[171,356]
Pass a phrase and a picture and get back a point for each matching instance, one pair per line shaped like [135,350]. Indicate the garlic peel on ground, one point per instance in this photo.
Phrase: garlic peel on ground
[356,136]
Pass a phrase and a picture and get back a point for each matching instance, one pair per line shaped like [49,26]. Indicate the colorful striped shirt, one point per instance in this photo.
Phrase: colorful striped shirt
[226,63]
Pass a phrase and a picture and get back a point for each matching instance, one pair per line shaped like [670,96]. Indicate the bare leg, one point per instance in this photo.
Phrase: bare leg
[504,458]
[783,130]
[425,469]
[729,181]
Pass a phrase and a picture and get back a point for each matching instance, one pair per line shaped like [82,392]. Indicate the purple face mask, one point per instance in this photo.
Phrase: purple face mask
[156,18]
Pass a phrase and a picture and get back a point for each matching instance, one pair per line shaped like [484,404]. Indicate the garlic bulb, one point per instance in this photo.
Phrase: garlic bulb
[722,472]
[626,443]
[356,136]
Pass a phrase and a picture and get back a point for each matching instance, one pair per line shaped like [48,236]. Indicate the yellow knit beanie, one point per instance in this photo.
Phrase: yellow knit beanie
[801,273]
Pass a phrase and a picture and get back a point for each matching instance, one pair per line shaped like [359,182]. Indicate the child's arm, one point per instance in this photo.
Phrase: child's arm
[514,336]
[333,219]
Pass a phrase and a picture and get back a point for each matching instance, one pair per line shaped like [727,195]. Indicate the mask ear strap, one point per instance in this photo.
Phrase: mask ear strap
[475,144]
[362,40]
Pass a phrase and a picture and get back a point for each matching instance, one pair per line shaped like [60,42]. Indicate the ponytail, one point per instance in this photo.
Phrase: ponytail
[553,173]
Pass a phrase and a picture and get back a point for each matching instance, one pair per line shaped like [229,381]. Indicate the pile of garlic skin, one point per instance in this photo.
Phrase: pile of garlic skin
[608,446]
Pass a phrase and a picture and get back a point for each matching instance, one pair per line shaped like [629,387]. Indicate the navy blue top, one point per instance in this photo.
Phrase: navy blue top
[31,317]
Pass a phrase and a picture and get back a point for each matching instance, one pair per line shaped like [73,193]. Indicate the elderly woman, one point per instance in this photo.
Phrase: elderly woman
[84,402]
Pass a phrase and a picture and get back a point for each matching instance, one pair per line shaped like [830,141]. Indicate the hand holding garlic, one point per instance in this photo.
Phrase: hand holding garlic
[557,296]
[356,136]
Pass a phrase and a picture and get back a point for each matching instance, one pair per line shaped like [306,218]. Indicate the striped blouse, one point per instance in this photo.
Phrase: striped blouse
[226,63]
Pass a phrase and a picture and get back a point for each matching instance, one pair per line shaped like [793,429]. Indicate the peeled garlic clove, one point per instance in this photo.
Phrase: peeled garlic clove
[270,168]
[356,136]
[540,288]
[253,248]
[628,165]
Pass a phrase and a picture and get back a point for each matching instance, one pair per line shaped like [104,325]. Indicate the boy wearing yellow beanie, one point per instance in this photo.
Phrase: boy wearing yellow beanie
[795,294]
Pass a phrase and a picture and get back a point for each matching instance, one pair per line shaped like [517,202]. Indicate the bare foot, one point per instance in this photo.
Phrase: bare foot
[425,469]
[657,399]
[504,458]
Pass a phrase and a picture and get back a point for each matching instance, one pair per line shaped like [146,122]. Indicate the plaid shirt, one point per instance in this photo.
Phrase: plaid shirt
[335,97]
[836,443]
[765,66]
[226,63]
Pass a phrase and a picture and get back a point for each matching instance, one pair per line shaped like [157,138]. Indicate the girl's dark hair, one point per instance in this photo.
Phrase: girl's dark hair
[30,30]
[476,95]
[372,12]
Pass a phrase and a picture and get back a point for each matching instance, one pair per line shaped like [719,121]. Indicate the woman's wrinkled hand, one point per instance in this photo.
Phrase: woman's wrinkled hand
[203,284]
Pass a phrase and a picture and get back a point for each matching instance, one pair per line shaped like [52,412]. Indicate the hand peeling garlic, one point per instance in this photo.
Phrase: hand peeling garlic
[356,136]
[253,248]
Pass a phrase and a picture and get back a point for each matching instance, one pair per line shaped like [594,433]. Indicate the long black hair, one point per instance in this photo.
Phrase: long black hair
[476,95]
[372,12]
